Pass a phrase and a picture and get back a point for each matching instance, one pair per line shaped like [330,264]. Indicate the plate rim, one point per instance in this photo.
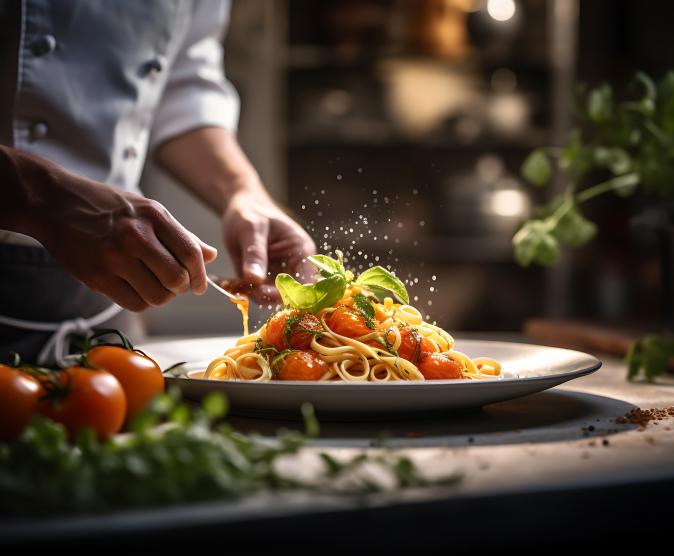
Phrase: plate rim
[595,366]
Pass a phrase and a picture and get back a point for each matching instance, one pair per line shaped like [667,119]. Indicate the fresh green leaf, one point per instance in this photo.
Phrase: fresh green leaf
[656,356]
[364,306]
[624,186]
[600,103]
[312,297]
[617,160]
[326,265]
[536,168]
[535,244]
[647,103]
[329,267]
[311,425]
[380,278]
[576,160]
[215,405]
[634,359]
[573,228]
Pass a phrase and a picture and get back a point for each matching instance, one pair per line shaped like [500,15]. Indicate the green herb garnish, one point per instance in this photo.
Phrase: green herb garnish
[364,307]
[312,297]
[196,459]
[381,281]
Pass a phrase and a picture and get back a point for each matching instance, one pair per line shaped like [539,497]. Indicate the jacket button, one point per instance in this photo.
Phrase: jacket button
[154,66]
[44,45]
[38,131]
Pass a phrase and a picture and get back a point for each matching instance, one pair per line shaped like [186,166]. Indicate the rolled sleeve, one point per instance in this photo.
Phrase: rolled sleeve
[197,94]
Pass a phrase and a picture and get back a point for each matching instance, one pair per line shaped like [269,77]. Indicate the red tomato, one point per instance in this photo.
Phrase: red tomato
[94,399]
[414,346]
[347,322]
[140,376]
[297,337]
[303,365]
[439,367]
[19,394]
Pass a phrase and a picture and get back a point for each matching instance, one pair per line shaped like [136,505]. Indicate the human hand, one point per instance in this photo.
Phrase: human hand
[117,243]
[263,241]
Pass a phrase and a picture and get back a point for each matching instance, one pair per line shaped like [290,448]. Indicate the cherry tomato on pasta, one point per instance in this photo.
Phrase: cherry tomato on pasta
[19,394]
[303,365]
[291,330]
[91,399]
[414,346]
[439,367]
[347,322]
[140,376]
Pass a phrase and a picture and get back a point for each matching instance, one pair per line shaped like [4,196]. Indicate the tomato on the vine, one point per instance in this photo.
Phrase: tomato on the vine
[19,394]
[139,375]
[85,398]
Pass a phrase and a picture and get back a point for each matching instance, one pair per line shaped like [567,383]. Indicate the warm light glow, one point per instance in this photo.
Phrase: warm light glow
[508,202]
[501,10]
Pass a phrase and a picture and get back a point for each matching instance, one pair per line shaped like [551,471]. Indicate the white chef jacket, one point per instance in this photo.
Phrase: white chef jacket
[100,83]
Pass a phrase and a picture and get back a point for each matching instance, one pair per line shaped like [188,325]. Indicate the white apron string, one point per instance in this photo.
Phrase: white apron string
[56,347]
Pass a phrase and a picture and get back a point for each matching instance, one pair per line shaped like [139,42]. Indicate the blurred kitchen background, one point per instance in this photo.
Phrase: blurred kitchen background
[394,130]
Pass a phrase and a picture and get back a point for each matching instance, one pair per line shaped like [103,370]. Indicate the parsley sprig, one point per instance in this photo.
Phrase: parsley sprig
[632,143]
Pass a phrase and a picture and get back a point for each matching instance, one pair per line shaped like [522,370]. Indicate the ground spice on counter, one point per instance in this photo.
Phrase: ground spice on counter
[642,417]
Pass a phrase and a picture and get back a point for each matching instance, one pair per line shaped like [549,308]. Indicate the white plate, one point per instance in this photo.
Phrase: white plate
[532,369]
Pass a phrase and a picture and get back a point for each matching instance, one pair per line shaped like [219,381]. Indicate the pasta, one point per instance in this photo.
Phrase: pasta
[353,339]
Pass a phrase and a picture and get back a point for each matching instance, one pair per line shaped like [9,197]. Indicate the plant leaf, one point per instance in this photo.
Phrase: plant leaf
[535,244]
[617,160]
[625,186]
[312,297]
[365,308]
[600,103]
[576,160]
[536,168]
[573,228]
[634,359]
[378,277]
[327,265]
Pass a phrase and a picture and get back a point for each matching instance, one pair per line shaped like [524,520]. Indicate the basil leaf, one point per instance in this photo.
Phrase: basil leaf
[326,265]
[312,297]
[536,168]
[378,277]
[365,308]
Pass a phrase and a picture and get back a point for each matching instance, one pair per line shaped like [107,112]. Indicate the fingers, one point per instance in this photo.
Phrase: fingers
[208,252]
[119,291]
[162,264]
[146,284]
[183,246]
[252,238]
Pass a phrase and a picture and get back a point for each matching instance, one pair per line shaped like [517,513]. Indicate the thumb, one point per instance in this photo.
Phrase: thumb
[253,240]
[208,252]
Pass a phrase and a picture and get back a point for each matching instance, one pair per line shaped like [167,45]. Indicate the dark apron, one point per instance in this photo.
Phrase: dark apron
[34,287]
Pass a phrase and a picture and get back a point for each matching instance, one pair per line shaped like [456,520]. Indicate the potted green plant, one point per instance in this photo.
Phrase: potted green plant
[632,143]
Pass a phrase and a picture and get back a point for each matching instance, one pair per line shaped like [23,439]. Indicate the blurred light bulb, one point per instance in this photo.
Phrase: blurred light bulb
[501,10]
[508,202]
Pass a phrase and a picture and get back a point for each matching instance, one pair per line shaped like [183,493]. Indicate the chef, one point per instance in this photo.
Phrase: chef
[88,90]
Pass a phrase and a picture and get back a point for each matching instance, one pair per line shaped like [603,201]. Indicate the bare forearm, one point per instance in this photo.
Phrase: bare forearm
[210,162]
[18,171]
